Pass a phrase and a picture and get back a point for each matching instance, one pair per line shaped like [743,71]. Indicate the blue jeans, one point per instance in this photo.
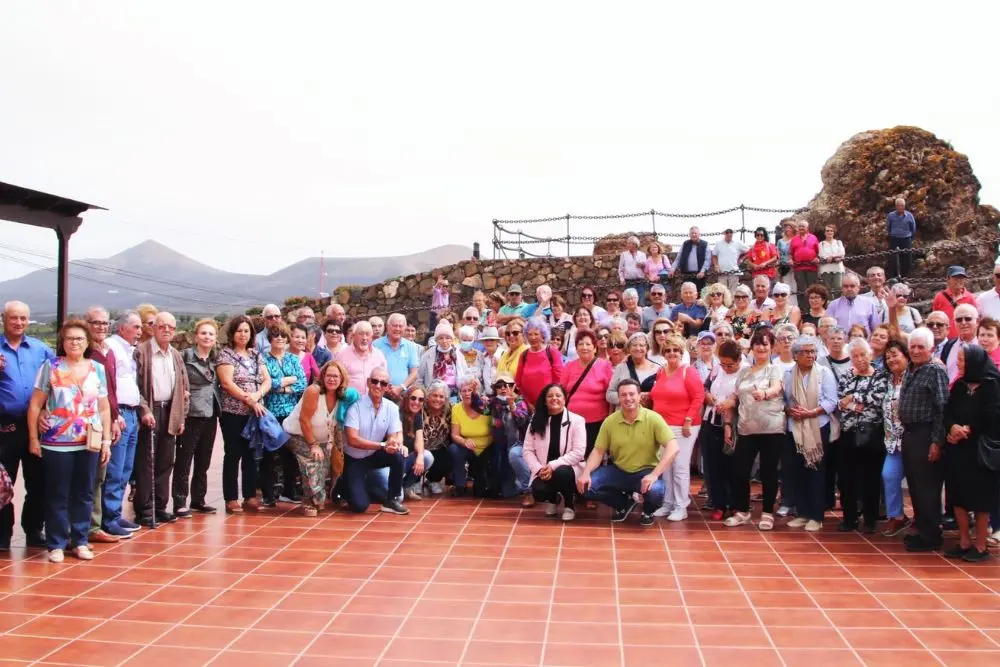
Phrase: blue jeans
[377,481]
[69,496]
[788,479]
[459,457]
[356,477]
[810,483]
[614,487]
[522,474]
[119,470]
[892,481]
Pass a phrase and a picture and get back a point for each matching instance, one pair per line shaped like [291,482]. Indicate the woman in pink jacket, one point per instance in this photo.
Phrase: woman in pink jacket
[554,449]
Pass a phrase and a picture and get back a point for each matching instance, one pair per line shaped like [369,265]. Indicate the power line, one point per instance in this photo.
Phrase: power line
[88,279]
[132,274]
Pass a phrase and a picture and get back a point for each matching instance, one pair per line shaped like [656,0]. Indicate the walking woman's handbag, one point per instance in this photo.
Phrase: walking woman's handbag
[989,453]
[95,436]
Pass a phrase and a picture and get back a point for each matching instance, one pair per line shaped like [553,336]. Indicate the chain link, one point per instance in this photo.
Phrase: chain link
[654,212]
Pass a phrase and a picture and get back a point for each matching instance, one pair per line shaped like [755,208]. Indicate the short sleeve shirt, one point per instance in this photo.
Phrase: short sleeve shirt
[72,403]
[634,446]
[248,375]
[371,424]
[400,361]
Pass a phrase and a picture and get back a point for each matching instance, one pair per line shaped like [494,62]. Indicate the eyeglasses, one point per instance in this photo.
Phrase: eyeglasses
[98,323]
[780,295]
[658,293]
[75,339]
[603,337]
[511,334]
[659,332]
[673,350]
[378,383]
[416,399]
[333,331]
[586,295]
[937,325]
[741,296]
[965,319]
[272,317]
[785,339]
[618,346]
[166,327]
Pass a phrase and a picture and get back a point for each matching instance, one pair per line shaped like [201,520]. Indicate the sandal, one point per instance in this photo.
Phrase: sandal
[309,510]
[233,507]
[766,522]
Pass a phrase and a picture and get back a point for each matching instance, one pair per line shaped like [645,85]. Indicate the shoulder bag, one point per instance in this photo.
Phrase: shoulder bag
[989,453]
[579,380]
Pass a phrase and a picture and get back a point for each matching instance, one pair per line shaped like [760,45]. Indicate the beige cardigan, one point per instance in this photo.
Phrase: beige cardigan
[182,390]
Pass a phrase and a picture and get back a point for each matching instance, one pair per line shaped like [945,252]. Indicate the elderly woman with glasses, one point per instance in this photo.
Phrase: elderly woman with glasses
[763,256]
[861,448]
[817,296]
[298,345]
[513,334]
[583,319]
[471,434]
[586,380]
[288,382]
[436,420]
[636,366]
[75,437]
[442,360]
[617,348]
[677,395]
[810,392]
[741,317]
[540,365]
[333,335]
[783,312]
[588,300]
[717,302]
[657,340]
[904,317]
[630,302]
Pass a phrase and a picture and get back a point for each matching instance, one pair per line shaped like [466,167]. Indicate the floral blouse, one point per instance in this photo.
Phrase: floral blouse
[890,414]
[437,430]
[281,401]
[869,393]
[248,375]
[743,325]
[72,404]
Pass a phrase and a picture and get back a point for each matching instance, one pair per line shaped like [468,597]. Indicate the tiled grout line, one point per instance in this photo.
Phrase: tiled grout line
[181,573]
[618,598]
[938,595]
[739,582]
[812,598]
[312,573]
[489,589]
[552,595]
[427,585]
[884,606]
[680,592]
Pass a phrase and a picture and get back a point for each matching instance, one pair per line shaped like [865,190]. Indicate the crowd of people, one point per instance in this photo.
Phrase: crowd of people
[824,400]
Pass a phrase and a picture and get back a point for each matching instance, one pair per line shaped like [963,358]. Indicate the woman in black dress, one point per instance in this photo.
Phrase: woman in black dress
[973,409]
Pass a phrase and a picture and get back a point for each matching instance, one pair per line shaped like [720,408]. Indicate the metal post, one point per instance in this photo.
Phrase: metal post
[567,236]
[62,272]
[743,224]
[495,238]
[652,215]
[475,250]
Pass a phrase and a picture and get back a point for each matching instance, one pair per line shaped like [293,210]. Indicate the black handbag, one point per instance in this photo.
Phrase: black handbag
[989,453]
[866,435]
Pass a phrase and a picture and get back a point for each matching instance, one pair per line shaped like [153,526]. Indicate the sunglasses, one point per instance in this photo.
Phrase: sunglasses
[279,335]
[603,337]
[672,350]
[416,399]
[716,294]
[780,295]
[150,323]
[587,295]
[618,346]
[378,383]
[511,334]
[996,275]
[470,318]
[614,300]
[937,325]
[965,319]
[333,331]
[741,296]
[661,331]
[503,385]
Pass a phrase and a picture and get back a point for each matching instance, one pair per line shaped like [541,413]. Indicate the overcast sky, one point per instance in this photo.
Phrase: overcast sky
[250,135]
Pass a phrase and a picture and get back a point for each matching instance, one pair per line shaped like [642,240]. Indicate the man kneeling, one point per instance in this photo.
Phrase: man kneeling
[374,440]
[632,436]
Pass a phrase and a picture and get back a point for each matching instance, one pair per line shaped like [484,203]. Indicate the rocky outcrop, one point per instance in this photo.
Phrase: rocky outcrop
[866,174]
[614,244]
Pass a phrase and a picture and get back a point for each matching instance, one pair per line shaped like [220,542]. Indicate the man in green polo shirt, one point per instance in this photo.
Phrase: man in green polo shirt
[634,437]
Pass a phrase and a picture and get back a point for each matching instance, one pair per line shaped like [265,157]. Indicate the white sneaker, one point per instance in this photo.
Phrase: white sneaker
[412,493]
[737,519]
[435,488]
[678,514]
[663,510]
[785,510]
[289,500]
[814,526]
[798,522]
[568,514]
[551,509]
[56,556]
[83,553]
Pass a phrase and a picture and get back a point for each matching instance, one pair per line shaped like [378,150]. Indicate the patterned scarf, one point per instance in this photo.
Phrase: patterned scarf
[442,360]
[806,432]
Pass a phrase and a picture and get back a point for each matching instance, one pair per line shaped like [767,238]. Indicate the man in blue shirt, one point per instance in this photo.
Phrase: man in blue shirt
[374,440]
[901,226]
[401,356]
[20,358]
[272,318]
[689,312]
[658,308]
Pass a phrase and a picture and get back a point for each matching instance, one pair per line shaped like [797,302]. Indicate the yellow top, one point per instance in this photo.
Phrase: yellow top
[479,430]
[509,360]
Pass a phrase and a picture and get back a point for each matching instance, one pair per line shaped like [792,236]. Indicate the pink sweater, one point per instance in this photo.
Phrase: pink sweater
[536,371]
[679,396]
[590,400]
[572,446]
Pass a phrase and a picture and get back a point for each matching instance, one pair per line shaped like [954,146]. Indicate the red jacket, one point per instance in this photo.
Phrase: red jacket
[804,253]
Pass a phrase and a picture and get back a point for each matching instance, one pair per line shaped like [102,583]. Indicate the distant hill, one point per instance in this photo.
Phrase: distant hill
[152,272]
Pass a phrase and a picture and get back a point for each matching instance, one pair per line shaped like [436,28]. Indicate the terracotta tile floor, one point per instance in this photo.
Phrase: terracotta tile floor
[464,582]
